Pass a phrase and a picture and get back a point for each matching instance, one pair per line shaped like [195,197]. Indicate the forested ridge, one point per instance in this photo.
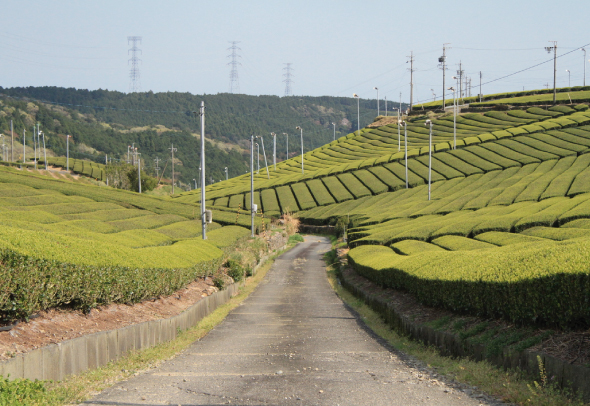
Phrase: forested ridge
[109,121]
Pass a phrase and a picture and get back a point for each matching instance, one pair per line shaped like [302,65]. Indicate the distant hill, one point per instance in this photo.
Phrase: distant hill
[106,122]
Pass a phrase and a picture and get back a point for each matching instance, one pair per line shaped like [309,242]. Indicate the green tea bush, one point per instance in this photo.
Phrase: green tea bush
[539,283]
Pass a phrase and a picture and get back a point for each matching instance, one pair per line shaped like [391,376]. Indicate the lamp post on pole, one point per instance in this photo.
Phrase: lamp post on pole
[569,78]
[274,150]
[454,118]
[429,122]
[287,135]
[377,89]
[358,111]
[334,125]
[299,128]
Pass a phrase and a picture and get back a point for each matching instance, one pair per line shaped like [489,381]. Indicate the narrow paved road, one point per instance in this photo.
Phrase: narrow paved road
[292,342]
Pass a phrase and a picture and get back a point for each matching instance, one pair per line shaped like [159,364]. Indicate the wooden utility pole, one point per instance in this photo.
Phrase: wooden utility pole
[172,149]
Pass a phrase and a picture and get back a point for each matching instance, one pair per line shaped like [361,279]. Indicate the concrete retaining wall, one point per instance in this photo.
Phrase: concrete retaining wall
[56,361]
[575,377]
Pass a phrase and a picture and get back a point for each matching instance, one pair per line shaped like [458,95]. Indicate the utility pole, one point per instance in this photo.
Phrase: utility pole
[334,125]
[287,135]
[67,151]
[411,78]
[44,150]
[34,146]
[24,145]
[385,105]
[584,49]
[203,208]
[377,89]
[172,150]
[400,103]
[252,211]
[157,168]
[554,49]
[226,174]
[265,162]
[299,128]
[274,150]
[443,63]
[12,143]
[138,172]
[480,95]
[460,76]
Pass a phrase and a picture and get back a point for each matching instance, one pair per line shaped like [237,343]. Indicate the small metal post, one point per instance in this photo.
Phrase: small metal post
[334,125]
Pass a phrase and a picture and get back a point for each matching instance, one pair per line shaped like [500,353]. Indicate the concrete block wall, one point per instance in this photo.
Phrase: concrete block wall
[574,377]
[56,361]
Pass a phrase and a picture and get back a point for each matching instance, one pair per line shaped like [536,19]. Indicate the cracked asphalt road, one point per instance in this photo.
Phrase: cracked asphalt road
[292,342]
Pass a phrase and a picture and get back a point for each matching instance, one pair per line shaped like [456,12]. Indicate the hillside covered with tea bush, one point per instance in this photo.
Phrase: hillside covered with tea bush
[505,234]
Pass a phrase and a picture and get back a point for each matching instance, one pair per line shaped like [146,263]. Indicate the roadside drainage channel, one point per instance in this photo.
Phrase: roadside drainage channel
[70,357]
[574,377]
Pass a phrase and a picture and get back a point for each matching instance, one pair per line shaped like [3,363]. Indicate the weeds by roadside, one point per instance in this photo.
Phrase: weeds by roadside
[509,386]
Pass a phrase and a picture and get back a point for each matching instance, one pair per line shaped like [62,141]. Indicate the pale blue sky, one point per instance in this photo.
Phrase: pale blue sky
[336,47]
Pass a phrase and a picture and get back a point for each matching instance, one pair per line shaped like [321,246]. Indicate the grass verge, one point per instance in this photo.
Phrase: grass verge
[509,386]
[79,388]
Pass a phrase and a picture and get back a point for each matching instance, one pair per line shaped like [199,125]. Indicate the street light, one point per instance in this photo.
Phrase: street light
[385,105]
[358,111]
[429,122]
[334,125]
[433,95]
[226,177]
[569,75]
[287,135]
[377,89]
[274,150]
[454,118]
[299,128]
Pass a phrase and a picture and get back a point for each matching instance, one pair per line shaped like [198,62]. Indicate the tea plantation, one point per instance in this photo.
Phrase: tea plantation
[63,243]
[506,233]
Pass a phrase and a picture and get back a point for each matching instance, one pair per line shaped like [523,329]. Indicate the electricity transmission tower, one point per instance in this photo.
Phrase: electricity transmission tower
[287,75]
[234,82]
[135,84]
